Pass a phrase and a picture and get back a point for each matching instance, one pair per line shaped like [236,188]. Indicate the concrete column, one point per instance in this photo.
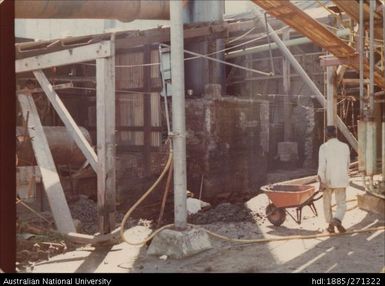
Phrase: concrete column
[361,130]
[371,150]
[178,114]
[330,91]
[287,107]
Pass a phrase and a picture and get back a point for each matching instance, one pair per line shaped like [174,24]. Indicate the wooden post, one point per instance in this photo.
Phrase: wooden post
[287,107]
[51,180]
[105,127]
[147,110]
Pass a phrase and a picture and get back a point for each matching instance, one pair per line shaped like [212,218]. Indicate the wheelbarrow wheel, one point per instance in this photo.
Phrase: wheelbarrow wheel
[275,215]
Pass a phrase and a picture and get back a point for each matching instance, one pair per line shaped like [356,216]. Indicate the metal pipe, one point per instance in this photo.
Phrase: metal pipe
[289,43]
[287,108]
[371,146]
[286,52]
[371,58]
[371,158]
[361,51]
[361,134]
[331,107]
[92,9]
[178,114]
[64,149]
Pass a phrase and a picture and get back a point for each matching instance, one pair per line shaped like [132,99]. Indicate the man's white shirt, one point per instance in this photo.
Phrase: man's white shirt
[334,161]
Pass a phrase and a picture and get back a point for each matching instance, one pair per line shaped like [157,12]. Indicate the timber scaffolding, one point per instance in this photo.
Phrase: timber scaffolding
[38,55]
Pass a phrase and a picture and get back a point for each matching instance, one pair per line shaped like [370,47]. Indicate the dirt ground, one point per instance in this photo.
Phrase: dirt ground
[352,253]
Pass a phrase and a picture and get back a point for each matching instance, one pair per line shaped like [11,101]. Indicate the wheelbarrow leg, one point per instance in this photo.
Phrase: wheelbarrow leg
[299,215]
[314,210]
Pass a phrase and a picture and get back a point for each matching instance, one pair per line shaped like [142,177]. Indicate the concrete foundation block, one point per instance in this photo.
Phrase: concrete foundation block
[288,151]
[372,204]
[213,91]
[179,244]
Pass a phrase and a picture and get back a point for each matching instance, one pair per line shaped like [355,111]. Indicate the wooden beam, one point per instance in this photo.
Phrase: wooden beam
[105,124]
[67,119]
[55,87]
[353,81]
[334,61]
[65,57]
[51,180]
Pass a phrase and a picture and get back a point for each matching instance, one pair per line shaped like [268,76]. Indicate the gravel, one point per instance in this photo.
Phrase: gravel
[85,210]
[225,212]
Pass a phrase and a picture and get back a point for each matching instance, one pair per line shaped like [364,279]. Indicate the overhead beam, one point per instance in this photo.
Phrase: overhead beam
[50,177]
[288,43]
[67,119]
[64,57]
[55,87]
[331,60]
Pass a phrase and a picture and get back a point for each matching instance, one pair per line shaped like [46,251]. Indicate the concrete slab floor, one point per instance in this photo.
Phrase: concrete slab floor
[353,253]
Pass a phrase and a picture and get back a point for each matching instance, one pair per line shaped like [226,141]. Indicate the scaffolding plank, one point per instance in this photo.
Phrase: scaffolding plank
[51,180]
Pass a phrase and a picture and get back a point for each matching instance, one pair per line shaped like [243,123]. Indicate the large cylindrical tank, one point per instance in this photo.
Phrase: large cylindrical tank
[93,9]
[63,148]
[200,72]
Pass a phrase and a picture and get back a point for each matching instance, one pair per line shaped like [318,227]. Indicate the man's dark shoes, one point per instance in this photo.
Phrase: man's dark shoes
[337,223]
[330,228]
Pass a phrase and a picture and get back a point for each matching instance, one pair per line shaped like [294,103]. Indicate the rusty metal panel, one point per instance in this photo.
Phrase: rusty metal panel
[303,23]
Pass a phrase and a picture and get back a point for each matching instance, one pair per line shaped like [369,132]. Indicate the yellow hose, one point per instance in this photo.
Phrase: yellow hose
[152,188]
[291,237]
[127,215]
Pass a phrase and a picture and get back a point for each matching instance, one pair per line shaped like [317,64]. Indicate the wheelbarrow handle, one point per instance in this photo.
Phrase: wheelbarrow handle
[314,196]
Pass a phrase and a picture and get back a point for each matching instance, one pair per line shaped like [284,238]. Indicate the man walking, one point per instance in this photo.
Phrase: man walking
[333,175]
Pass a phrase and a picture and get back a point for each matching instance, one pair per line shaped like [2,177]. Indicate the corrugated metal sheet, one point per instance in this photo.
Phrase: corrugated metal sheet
[155,119]
[129,77]
[155,73]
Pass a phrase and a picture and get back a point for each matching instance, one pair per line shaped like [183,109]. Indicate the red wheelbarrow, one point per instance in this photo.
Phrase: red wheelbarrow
[283,197]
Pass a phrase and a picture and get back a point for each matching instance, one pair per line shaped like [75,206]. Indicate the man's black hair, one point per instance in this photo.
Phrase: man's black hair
[331,131]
